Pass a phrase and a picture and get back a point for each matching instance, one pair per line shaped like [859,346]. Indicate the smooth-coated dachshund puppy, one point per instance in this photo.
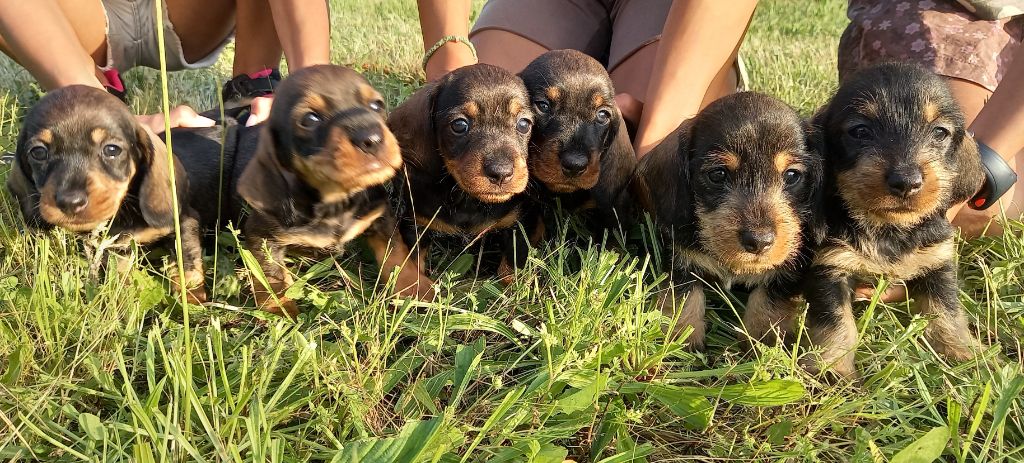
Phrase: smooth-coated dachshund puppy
[464,141]
[734,193]
[83,159]
[898,158]
[580,151]
[314,177]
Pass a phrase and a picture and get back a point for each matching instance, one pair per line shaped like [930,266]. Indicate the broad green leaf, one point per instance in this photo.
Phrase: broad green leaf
[409,446]
[764,394]
[687,403]
[581,399]
[92,426]
[467,362]
[926,449]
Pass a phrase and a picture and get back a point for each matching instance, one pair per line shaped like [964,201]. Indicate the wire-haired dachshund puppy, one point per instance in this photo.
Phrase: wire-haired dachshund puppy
[580,151]
[898,158]
[464,141]
[734,190]
[82,159]
[316,177]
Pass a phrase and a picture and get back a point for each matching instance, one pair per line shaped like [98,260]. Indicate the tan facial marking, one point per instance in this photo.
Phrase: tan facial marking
[515,106]
[867,108]
[471,109]
[105,197]
[553,93]
[931,111]
[719,232]
[313,102]
[45,136]
[597,100]
[783,159]
[864,190]
[98,135]
[340,169]
[728,159]
[368,93]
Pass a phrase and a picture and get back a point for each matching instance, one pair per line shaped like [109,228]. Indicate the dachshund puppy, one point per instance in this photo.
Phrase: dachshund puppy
[898,158]
[580,151]
[314,176]
[734,190]
[82,159]
[464,142]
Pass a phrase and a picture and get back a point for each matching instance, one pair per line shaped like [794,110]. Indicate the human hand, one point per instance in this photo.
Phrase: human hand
[180,116]
[259,110]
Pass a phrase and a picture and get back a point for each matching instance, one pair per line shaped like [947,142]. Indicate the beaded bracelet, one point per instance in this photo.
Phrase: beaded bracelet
[440,43]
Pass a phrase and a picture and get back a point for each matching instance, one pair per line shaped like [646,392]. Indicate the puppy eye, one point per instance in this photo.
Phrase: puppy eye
[111,151]
[792,176]
[39,153]
[940,133]
[603,116]
[523,125]
[860,132]
[542,106]
[717,175]
[460,126]
[310,121]
[377,105]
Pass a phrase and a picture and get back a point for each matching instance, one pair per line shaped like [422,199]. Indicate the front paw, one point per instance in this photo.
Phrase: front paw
[280,305]
[415,285]
[195,286]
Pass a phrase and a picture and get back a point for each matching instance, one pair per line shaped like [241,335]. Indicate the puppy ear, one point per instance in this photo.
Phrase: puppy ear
[662,185]
[412,123]
[818,180]
[155,199]
[618,168]
[263,183]
[21,186]
[968,173]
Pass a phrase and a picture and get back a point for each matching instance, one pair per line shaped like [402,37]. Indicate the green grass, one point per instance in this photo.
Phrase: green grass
[568,362]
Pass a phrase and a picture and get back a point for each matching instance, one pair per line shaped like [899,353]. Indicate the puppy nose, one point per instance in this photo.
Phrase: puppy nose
[368,139]
[498,172]
[757,241]
[72,202]
[905,182]
[575,163]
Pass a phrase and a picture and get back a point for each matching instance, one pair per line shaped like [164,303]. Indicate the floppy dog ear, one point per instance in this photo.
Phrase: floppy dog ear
[662,183]
[412,123]
[968,173]
[618,168]
[819,179]
[21,186]
[155,199]
[263,183]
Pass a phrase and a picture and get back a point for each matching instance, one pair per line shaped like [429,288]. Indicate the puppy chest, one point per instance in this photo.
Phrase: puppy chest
[866,260]
[334,231]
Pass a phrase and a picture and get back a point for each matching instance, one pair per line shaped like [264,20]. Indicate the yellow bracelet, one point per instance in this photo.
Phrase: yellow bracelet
[440,43]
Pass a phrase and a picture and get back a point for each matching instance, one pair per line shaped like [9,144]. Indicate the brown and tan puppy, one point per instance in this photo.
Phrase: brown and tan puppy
[733,192]
[83,160]
[464,142]
[316,179]
[898,158]
[580,153]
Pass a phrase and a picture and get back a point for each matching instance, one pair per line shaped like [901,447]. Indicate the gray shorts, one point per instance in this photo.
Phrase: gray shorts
[132,39]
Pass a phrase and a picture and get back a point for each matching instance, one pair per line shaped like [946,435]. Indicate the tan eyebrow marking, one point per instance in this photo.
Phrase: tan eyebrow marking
[553,93]
[783,159]
[729,159]
[45,136]
[931,111]
[98,134]
[471,109]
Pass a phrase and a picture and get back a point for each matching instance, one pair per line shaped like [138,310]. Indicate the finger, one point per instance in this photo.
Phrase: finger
[260,110]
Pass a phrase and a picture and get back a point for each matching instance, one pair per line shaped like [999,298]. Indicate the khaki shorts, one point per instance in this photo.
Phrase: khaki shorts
[608,30]
[132,39]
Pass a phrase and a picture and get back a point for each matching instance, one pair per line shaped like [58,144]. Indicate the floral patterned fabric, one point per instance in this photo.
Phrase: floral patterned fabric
[939,34]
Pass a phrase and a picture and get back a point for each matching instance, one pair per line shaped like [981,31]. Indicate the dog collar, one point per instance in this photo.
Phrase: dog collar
[999,178]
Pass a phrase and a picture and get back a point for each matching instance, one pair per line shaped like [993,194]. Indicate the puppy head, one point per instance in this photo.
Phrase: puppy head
[753,181]
[327,129]
[80,154]
[481,121]
[576,119]
[896,142]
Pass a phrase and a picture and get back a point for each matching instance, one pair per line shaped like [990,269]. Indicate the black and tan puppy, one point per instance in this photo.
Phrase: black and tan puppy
[580,151]
[734,191]
[464,142]
[898,158]
[83,159]
[316,177]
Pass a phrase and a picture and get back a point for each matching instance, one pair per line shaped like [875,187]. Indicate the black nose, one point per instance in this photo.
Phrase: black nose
[498,172]
[575,163]
[72,202]
[368,139]
[757,241]
[905,182]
